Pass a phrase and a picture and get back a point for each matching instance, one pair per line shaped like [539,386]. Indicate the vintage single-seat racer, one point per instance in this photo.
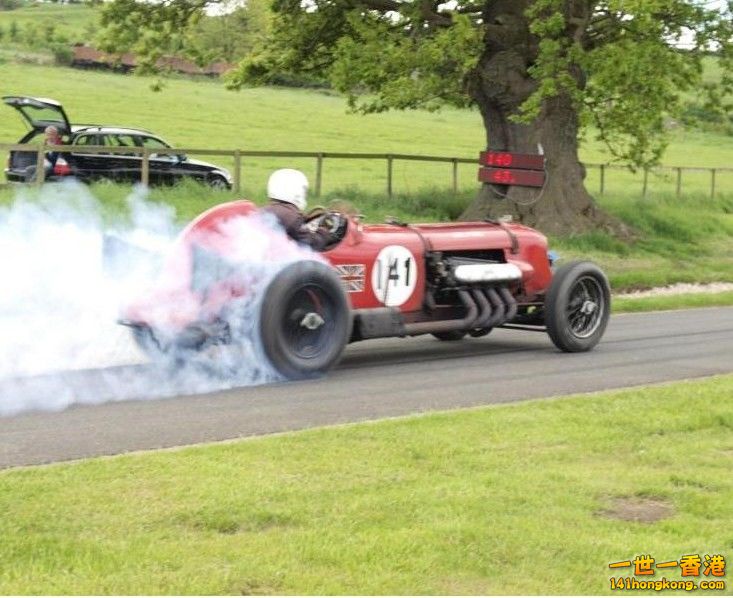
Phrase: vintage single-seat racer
[372,280]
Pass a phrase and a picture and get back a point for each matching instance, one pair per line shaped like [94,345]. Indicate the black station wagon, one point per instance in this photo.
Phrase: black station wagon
[119,166]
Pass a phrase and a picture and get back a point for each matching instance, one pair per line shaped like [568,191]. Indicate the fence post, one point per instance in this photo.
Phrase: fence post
[603,179]
[145,171]
[319,174]
[679,182]
[712,183]
[389,175]
[455,176]
[41,166]
[237,172]
[646,181]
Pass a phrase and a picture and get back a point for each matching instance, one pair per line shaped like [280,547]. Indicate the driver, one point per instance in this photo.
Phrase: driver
[286,191]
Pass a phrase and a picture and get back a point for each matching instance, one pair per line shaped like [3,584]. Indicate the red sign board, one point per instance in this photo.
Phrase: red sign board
[507,176]
[510,160]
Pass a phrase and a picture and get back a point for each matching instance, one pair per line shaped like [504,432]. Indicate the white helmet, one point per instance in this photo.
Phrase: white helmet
[290,186]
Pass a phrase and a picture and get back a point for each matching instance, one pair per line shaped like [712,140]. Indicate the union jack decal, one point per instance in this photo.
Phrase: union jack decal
[352,276]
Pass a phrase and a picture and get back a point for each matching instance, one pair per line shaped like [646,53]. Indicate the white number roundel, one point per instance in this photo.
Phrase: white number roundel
[394,275]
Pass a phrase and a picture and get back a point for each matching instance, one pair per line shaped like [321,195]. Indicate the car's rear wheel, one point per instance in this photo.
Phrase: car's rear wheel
[577,307]
[305,320]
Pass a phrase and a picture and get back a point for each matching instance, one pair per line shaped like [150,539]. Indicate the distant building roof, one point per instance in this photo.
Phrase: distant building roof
[88,56]
[219,68]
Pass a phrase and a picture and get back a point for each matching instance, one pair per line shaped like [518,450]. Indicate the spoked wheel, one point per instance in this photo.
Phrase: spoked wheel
[585,306]
[305,321]
[577,306]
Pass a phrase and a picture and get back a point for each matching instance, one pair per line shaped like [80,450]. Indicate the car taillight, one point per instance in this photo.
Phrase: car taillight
[61,168]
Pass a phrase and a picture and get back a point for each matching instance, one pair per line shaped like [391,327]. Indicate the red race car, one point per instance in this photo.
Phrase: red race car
[232,273]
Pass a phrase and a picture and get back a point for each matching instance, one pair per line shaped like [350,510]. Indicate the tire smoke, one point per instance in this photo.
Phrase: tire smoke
[63,285]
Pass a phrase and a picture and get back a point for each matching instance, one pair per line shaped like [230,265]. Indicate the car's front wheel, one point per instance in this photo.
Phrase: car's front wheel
[577,307]
[305,320]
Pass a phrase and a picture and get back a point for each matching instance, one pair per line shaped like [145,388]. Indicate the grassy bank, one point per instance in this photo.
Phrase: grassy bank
[478,501]
[687,239]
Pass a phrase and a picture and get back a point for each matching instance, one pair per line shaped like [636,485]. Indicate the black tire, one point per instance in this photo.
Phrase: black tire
[451,336]
[218,182]
[577,307]
[298,349]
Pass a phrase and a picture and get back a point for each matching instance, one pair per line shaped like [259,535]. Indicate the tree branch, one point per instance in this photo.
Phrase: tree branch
[382,5]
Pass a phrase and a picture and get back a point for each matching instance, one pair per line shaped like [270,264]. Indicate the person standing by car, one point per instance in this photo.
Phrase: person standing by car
[52,138]
[287,191]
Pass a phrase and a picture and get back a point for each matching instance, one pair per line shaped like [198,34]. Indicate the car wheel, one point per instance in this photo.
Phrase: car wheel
[218,182]
[305,320]
[453,335]
[577,307]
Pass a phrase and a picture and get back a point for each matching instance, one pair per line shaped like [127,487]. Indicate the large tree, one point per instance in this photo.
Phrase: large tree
[539,71]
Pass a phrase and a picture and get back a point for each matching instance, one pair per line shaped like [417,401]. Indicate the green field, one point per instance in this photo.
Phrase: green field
[520,499]
[678,239]
[202,114]
[74,21]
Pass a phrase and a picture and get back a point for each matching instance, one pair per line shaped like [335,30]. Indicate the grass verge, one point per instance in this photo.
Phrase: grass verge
[687,300]
[478,501]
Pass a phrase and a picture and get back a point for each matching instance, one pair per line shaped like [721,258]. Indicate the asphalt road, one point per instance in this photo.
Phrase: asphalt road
[377,379]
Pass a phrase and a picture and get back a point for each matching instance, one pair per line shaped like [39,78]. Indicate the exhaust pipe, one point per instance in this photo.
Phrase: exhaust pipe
[465,323]
[498,316]
[511,304]
[486,311]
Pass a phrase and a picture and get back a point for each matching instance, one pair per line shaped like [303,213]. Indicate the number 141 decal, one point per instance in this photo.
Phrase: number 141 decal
[394,275]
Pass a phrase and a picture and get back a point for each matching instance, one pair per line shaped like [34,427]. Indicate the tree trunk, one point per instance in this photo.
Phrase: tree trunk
[499,85]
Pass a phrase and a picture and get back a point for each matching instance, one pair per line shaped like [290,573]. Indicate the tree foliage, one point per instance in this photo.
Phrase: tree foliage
[184,27]
[230,36]
[623,63]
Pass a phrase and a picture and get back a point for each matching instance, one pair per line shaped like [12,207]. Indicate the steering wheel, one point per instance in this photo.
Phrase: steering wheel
[334,223]
[315,212]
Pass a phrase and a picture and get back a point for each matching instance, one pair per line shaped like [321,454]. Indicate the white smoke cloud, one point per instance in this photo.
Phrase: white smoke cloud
[63,287]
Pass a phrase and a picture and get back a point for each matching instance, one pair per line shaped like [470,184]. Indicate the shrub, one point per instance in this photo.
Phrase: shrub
[62,54]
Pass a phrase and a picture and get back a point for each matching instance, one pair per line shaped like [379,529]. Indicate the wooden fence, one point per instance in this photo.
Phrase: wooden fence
[319,157]
[676,171]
